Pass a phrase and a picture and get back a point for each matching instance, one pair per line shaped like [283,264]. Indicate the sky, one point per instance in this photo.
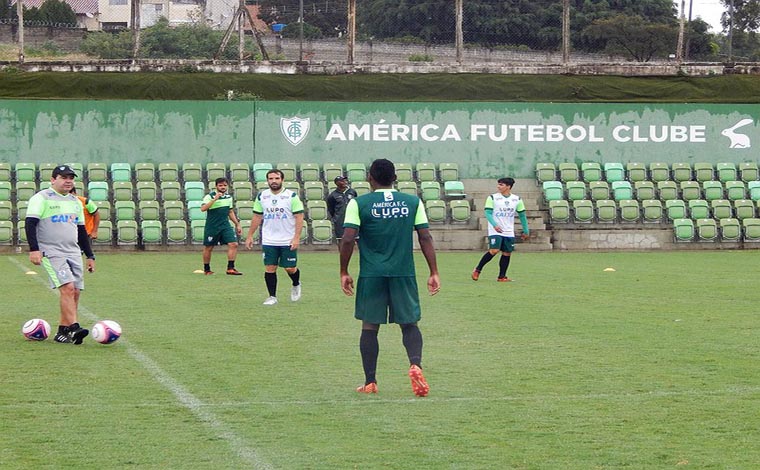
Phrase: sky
[708,10]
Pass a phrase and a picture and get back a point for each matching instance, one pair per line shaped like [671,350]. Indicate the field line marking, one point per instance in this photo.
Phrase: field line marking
[184,396]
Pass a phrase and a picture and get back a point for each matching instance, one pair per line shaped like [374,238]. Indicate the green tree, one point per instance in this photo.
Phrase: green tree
[634,37]
[57,12]
[746,15]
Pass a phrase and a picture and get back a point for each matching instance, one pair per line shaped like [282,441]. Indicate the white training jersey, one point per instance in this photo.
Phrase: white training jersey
[504,209]
[278,212]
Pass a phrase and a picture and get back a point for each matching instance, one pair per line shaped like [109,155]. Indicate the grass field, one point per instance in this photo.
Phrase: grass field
[652,366]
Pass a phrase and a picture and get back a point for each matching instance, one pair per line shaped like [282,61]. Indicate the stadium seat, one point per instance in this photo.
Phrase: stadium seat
[575,190]
[659,171]
[599,190]
[355,172]
[754,190]
[304,236]
[125,210]
[751,229]
[408,187]
[430,190]
[215,170]
[704,171]
[168,172]
[361,187]
[683,230]
[240,172]
[460,211]
[622,190]
[749,171]
[6,210]
[152,232]
[730,229]
[25,190]
[191,172]
[26,172]
[651,211]
[149,210]
[174,210]
[721,209]
[288,171]
[614,171]
[146,191]
[726,172]
[559,210]
[6,190]
[744,209]
[197,228]
[453,190]
[553,191]
[194,211]
[636,172]
[675,209]
[426,172]
[712,190]
[313,190]
[606,211]
[145,171]
[332,169]
[244,209]
[321,232]
[171,191]
[568,171]
[436,210]
[127,232]
[404,172]
[263,185]
[121,172]
[243,190]
[79,187]
[645,190]
[6,232]
[446,172]
[21,231]
[194,191]
[667,190]
[583,211]
[681,172]
[592,171]
[260,171]
[316,209]
[546,172]
[630,211]
[707,230]
[104,209]
[6,171]
[246,225]
[735,190]
[294,186]
[176,232]
[46,172]
[105,232]
[310,172]
[122,191]
[690,190]
[97,172]
[21,207]
[699,209]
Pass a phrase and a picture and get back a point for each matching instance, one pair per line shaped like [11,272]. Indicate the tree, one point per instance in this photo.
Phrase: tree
[635,37]
[57,12]
[746,15]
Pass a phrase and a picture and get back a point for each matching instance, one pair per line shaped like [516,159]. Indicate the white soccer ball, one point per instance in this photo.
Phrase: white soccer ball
[36,329]
[106,331]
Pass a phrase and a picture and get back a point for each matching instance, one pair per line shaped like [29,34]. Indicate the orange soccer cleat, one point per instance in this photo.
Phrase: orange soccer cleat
[475,274]
[368,388]
[504,279]
[234,272]
[419,384]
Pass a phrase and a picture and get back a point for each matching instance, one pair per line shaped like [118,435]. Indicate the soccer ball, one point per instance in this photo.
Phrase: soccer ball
[106,331]
[36,329]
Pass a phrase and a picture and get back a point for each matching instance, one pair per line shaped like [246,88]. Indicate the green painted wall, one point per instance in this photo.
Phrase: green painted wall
[487,140]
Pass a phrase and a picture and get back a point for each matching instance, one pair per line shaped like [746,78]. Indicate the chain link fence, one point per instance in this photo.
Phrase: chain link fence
[365,32]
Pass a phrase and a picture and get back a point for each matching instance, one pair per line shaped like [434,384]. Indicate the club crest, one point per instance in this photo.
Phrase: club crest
[295,129]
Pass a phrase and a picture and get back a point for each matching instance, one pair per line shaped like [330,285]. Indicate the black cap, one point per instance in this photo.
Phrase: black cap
[63,170]
[340,178]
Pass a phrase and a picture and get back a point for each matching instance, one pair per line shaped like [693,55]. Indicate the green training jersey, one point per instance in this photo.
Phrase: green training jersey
[218,215]
[386,220]
[59,214]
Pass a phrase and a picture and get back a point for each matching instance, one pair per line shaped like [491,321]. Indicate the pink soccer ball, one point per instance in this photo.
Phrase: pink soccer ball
[106,331]
[36,329]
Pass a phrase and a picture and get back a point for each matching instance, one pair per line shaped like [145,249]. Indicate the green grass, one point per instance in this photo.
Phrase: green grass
[570,367]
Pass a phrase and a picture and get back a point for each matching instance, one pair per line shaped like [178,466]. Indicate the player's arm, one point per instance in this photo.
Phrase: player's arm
[255,223]
[296,241]
[351,224]
[523,220]
[233,217]
[331,206]
[209,200]
[489,214]
[33,213]
[84,244]
[428,249]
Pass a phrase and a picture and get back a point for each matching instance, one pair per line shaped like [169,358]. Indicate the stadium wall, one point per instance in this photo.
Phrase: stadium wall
[487,140]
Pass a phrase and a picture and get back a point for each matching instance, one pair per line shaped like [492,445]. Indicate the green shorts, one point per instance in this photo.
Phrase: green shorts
[387,300]
[497,242]
[279,255]
[219,237]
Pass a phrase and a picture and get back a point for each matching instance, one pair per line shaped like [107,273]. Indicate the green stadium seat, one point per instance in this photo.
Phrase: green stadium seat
[744,209]
[246,225]
[683,230]
[460,211]
[6,171]
[6,232]
[645,190]
[25,190]
[294,186]
[426,172]
[176,232]
[215,170]
[453,190]
[168,172]
[146,191]
[321,232]
[698,209]
[79,187]
[6,210]
[197,229]
[606,211]
[614,171]
[171,191]
[21,231]
[145,171]
[46,172]
[622,190]
[553,191]
[675,209]
[288,170]
[149,210]
[730,229]
[651,211]
[546,172]
[599,190]
[26,172]
[559,211]
[681,172]
[121,172]
[243,190]
[105,233]
[152,232]
[361,187]
[436,210]
[331,170]
[726,172]
[575,190]
[21,207]
[712,190]
[583,211]
[430,190]
[735,190]
[194,211]
[310,172]
[636,172]
[754,190]
[404,172]
[592,171]
[749,171]
[240,172]
[704,171]
[316,209]
[260,171]
[313,190]
[192,172]
[127,232]
[125,210]
[707,230]
[97,172]
[6,190]
[408,187]
[659,171]
[568,171]
[690,190]
[122,191]
[751,229]
[244,209]
[446,172]
[104,209]
[721,209]
[355,172]
[174,210]
[630,211]
[263,185]
[194,191]
[78,168]
[667,190]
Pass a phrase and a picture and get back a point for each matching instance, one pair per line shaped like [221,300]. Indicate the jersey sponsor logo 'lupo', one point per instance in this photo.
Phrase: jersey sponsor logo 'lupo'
[390,210]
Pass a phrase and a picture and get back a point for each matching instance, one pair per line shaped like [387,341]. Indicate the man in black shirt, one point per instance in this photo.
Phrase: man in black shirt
[337,202]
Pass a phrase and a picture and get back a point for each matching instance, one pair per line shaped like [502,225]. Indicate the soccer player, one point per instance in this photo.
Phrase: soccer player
[91,215]
[501,207]
[337,202]
[386,291]
[219,211]
[279,212]
[57,238]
